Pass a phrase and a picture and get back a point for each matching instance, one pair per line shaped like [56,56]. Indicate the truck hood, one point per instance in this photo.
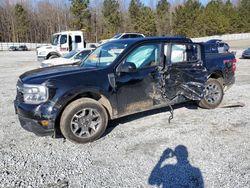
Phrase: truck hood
[45,49]
[38,76]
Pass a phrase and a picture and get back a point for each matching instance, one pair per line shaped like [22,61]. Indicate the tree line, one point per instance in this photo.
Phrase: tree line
[100,19]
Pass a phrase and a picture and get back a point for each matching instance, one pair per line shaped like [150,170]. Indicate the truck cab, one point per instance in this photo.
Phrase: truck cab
[61,44]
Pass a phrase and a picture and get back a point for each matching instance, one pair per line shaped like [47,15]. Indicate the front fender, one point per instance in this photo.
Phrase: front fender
[94,93]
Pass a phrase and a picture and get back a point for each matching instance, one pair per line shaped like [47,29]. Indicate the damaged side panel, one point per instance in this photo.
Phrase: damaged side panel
[188,81]
[184,74]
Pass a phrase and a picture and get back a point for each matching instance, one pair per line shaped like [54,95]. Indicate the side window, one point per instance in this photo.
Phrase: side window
[92,46]
[63,39]
[125,36]
[78,39]
[221,44]
[132,36]
[145,56]
[139,36]
[184,53]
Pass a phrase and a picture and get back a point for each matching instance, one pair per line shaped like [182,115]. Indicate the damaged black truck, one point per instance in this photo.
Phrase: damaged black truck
[120,78]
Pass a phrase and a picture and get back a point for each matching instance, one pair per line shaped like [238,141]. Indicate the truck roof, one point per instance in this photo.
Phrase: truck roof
[155,39]
[67,32]
[131,33]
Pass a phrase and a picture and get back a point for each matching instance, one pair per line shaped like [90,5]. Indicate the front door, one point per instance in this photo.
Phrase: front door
[185,74]
[136,89]
[64,46]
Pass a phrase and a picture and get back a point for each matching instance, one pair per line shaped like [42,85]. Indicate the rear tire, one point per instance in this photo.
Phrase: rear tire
[214,94]
[83,120]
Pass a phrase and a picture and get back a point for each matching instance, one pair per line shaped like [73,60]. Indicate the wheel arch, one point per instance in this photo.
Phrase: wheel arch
[216,75]
[92,95]
[52,53]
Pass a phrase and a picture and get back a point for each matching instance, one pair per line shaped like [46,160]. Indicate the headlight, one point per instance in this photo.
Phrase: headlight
[42,53]
[34,94]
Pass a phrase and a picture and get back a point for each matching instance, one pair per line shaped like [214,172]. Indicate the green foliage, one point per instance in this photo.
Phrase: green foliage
[81,15]
[106,17]
[244,16]
[218,17]
[146,22]
[142,19]
[230,13]
[112,17]
[22,23]
[135,7]
[213,19]
[163,18]
[186,18]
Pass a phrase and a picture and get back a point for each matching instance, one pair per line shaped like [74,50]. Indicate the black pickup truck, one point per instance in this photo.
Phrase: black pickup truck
[120,78]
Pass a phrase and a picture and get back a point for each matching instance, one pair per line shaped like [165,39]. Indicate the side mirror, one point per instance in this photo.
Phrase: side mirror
[128,67]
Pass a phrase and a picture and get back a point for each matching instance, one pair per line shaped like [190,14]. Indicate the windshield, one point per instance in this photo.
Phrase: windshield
[54,40]
[104,55]
[70,54]
[117,36]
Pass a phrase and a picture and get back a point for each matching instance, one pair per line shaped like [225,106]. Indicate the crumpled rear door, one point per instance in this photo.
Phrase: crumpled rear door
[185,74]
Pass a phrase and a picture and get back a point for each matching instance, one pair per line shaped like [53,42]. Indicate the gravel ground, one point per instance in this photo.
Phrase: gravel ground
[211,145]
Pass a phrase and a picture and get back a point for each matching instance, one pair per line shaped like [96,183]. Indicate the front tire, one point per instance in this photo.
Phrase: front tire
[53,56]
[83,120]
[214,94]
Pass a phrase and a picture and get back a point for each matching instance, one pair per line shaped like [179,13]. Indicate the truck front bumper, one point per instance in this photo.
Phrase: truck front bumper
[41,126]
[41,58]
[245,56]
[35,126]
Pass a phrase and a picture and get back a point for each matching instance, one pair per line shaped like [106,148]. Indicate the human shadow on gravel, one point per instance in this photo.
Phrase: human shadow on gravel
[113,123]
[181,174]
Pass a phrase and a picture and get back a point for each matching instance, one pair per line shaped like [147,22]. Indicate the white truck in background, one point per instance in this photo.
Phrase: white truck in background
[62,43]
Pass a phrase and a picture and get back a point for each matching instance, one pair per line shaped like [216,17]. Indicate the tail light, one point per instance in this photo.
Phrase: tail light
[233,61]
